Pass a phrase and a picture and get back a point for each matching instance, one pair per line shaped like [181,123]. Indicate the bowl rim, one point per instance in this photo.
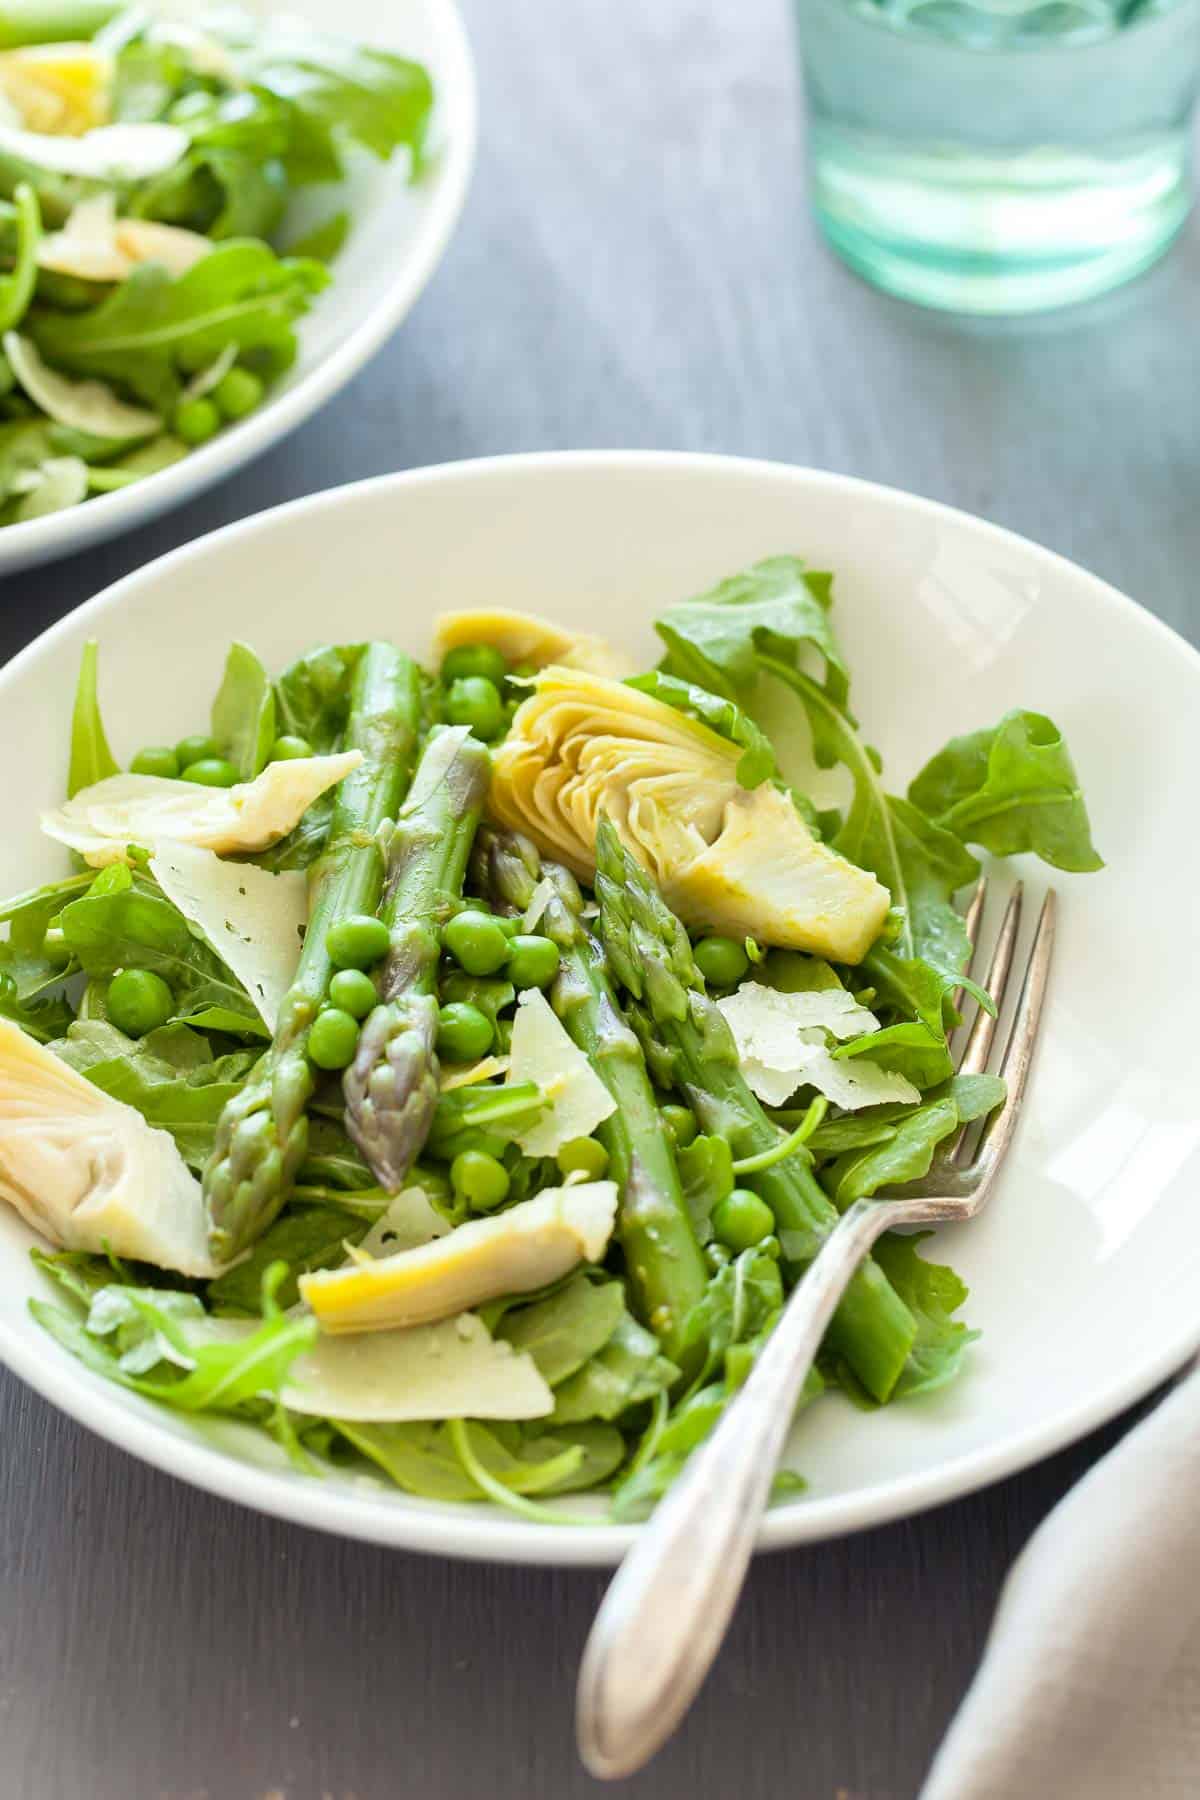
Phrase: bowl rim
[34,541]
[465,1532]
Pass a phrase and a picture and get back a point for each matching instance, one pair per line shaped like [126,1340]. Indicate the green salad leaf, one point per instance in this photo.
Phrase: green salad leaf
[91,758]
[629,1370]
[1011,789]
[241,293]
[311,1237]
[16,288]
[777,607]
[562,1331]
[724,716]
[933,1293]
[243,713]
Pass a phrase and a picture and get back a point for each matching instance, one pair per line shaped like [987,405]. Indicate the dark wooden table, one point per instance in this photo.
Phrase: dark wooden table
[636,267]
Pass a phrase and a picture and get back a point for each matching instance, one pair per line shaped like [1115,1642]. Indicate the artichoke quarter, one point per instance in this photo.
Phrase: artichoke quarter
[725,857]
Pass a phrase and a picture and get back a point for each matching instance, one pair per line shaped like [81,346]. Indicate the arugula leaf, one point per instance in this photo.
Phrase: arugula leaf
[91,758]
[185,1098]
[706,1176]
[331,1159]
[16,288]
[562,1331]
[775,607]
[629,1370]
[30,981]
[906,1155]
[1011,789]
[725,717]
[973,1097]
[422,1458]
[340,90]
[325,241]
[243,713]
[501,1111]
[214,1377]
[933,1293]
[312,696]
[136,929]
[241,293]
[304,1238]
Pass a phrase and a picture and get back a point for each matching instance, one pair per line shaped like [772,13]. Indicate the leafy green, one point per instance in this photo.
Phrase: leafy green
[91,758]
[706,1175]
[135,928]
[503,1111]
[973,1097]
[1011,789]
[629,1370]
[933,1293]
[170,1076]
[241,293]
[30,981]
[566,1328]
[243,713]
[724,716]
[312,696]
[16,288]
[304,1238]
[776,607]
[324,241]
[189,1376]
[422,1458]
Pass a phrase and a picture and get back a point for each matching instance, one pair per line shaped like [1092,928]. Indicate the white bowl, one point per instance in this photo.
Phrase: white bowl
[399,233]
[1085,1270]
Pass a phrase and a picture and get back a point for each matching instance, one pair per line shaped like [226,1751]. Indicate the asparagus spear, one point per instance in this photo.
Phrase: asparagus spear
[650,953]
[666,1268]
[391,1087]
[263,1132]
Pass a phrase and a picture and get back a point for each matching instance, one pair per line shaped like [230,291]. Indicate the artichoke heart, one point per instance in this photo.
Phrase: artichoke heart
[87,1171]
[513,1252]
[523,638]
[727,858]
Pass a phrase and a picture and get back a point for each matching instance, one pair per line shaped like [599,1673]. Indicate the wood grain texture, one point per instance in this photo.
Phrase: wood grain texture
[636,267]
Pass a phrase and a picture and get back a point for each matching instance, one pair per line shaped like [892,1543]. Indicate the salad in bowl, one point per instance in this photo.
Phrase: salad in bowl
[448,1068]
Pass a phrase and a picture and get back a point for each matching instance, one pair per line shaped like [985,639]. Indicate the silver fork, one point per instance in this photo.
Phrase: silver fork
[666,1612]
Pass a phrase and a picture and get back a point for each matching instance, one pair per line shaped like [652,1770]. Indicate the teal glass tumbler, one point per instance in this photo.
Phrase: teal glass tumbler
[999,156]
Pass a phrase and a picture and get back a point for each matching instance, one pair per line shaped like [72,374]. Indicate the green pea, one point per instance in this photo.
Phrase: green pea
[742,1220]
[464,1033]
[532,961]
[156,759]
[212,771]
[139,1001]
[196,421]
[583,1156]
[474,659]
[721,960]
[195,749]
[680,1121]
[474,702]
[237,393]
[289,749]
[353,992]
[333,1039]
[55,947]
[357,941]
[479,1179]
[476,942]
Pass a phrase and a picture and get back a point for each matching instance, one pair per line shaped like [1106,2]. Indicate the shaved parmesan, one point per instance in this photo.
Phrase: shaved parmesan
[449,1370]
[781,1045]
[95,245]
[254,920]
[408,1222]
[87,1171]
[512,1252]
[61,481]
[102,820]
[539,900]
[89,406]
[576,1098]
[110,153]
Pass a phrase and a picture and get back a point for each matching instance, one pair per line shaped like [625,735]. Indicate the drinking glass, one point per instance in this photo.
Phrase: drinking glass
[1000,156]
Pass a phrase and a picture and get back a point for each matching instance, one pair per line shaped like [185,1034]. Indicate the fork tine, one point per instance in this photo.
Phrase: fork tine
[971,918]
[1018,1053]
[979,1044]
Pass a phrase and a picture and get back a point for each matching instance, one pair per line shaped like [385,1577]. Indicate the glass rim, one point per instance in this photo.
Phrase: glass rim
[873,19]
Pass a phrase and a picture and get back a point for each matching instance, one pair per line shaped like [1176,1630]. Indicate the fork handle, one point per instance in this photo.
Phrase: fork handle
[666,1611]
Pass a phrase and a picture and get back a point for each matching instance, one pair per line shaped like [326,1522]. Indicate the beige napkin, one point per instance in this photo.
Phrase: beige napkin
[1089,1687]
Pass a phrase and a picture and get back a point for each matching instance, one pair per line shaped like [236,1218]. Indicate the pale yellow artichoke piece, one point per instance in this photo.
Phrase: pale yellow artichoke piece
[87,1171]
[60,89]
[727,859]
[95,245]
[515,1252]
[524,638]
[102,820]
[767,876]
